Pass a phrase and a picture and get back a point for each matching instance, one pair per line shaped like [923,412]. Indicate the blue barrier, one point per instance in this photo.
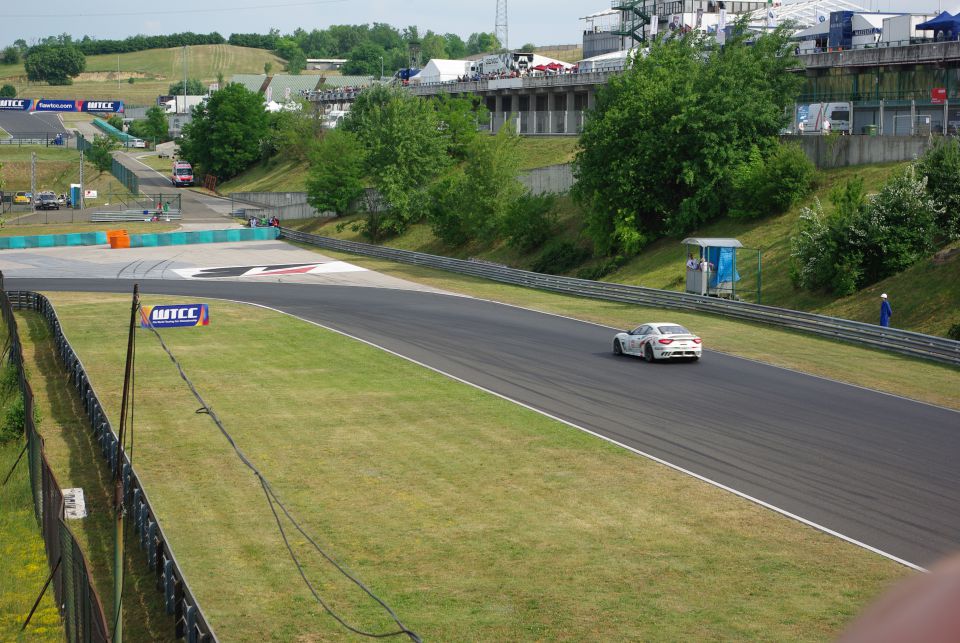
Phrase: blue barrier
[150,240]
[203,236]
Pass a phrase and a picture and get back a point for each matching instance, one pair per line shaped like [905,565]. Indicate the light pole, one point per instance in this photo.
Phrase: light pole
[381,67]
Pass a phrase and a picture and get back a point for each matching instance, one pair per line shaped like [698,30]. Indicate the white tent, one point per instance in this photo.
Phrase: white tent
[440,70]
[613,61]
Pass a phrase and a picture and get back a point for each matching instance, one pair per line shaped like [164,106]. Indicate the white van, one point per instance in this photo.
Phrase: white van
[811,118]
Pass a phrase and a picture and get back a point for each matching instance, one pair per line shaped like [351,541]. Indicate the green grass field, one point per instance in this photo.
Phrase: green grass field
[474,518]
[153,72]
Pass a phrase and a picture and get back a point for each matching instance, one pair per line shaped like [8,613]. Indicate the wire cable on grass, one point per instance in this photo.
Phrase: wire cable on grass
[273,502]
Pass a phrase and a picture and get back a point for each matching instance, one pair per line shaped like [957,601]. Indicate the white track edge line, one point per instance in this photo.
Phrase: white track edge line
[649,456]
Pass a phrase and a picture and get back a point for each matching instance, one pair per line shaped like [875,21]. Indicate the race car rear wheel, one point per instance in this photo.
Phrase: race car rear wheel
[648,354]
[617,348]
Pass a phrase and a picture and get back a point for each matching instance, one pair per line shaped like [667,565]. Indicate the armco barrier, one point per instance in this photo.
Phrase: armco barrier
[189,621]
[889,339]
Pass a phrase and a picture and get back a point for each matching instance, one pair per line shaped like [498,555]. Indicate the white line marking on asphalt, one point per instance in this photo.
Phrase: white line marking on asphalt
[649,456]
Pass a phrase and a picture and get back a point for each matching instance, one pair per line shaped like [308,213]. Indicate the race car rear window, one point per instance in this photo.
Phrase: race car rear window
[673,330]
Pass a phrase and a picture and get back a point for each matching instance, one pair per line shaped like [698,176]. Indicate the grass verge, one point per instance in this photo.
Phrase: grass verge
[474,518]
[23,560]
[75,458]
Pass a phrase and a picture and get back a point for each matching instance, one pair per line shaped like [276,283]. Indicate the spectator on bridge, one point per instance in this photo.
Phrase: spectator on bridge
[252,222]
[692,263]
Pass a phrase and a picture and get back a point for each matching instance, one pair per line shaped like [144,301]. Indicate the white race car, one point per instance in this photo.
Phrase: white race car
[664,340]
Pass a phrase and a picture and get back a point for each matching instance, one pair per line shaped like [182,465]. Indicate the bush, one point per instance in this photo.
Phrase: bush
[559,257]
[862,243]
[899,228]
[530,221]
[13,421]
[941,167]
[954,332]
[770,186]
[8,91]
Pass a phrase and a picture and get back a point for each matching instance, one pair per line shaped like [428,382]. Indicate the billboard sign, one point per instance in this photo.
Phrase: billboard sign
[62,105]
[179,316]
[16,104]
[938,95]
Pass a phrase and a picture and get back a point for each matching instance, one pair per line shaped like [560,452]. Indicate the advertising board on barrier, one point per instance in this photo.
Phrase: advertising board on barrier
[65,105]
[179,316]
[18,104]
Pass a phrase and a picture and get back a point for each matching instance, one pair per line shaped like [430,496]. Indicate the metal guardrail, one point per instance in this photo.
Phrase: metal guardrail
[189,622]
[889,339]
[135,215]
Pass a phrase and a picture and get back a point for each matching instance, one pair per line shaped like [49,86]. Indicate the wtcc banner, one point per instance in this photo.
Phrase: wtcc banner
[61,105]
[180,316]
[16,104]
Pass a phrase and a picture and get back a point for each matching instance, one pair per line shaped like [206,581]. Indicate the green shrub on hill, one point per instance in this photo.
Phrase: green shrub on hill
[863,242]
[560,256]
[764,186]
[941,167]
[530,221]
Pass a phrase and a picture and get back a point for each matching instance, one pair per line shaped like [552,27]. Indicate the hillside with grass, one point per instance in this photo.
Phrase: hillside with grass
[152,72]
[925,297]
[56,170]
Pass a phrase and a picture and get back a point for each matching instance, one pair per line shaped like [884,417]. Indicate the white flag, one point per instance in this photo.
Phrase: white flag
[821,15]
[723,20]
[771,17]
[654,25]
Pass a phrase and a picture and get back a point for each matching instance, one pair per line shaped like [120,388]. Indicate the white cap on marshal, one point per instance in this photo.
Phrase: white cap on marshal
[883,296]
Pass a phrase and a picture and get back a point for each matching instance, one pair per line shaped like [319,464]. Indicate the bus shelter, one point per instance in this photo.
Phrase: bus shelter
[712,267]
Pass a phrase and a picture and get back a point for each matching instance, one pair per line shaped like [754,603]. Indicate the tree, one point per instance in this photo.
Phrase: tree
[116,120]
[433,46]
[55,64]
[528,47]
[482,43]
[405,153]
[195,87]
[291,133]
[223,139]
[658,152]
[365,60]
[267,68]
[473,201]
[154,127]
[941,167]
[8,91]
[289,50]
[458,118]
[11,55]
[100,152]
[336,172]
[456,48]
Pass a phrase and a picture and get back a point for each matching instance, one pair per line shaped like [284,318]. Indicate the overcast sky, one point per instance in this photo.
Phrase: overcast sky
[542,23]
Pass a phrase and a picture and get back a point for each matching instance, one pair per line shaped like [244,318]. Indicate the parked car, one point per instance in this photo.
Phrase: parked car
[47,201]
[21,197]
[662,340]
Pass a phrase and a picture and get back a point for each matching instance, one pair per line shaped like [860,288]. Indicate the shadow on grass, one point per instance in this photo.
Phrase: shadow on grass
[76,459]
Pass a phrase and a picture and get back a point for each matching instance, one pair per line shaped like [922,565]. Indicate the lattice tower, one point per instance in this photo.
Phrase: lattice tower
[501,31]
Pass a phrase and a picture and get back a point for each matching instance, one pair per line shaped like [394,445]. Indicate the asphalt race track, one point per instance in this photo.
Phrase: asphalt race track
[31,124]
[876,468]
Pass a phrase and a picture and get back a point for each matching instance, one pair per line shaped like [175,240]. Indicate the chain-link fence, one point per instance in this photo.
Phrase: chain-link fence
[189,622]
[80,606]
[125,175]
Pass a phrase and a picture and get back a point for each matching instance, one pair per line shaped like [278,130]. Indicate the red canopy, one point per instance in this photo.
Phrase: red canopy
[555,66]
[539,68]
